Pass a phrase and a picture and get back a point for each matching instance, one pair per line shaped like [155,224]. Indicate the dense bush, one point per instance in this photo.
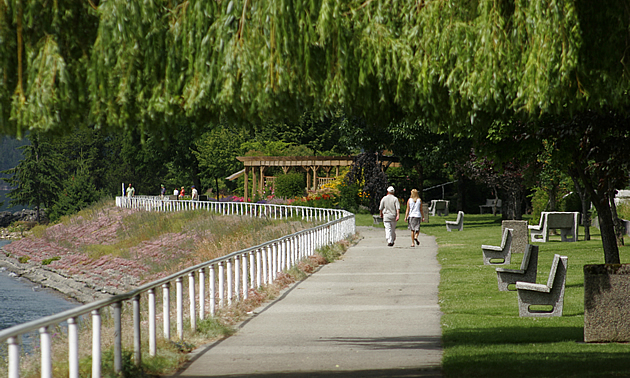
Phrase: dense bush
[290,185]
[349,197]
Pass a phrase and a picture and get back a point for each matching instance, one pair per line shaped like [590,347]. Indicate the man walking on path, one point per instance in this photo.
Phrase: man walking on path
[390,212]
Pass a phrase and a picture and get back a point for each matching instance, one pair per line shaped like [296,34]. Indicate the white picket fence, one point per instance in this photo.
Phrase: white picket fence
[220,282]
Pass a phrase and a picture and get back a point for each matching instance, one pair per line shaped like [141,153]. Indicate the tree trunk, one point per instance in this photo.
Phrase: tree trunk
[420,170]
[607,228]
[513,204]
[461,186]
[216,181]
[195,177]
[585,200]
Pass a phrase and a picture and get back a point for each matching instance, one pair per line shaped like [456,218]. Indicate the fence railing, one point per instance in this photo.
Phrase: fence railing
[220,282]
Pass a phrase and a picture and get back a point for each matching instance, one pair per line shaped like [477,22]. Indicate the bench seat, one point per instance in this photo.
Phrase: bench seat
[551,294]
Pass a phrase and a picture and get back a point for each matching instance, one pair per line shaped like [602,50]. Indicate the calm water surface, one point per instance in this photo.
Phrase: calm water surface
[22,301]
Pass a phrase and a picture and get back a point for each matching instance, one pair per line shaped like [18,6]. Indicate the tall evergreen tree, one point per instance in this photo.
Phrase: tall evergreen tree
[37,179]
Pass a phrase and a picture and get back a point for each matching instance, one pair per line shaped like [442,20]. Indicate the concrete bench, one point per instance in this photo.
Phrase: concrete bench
[458,224]
[439,207]
[503,252]
[527,272]
[493,204]
[567,222]
[551,294]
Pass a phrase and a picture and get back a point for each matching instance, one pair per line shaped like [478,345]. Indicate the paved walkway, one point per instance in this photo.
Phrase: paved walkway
[373,314]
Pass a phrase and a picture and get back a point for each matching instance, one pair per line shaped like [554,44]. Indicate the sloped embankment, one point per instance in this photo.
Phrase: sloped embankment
[107,250]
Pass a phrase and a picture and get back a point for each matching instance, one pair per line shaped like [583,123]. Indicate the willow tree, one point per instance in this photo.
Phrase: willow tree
[460,66]
[44,51]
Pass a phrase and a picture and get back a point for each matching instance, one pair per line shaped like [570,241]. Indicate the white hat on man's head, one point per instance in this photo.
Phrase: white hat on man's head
[390,189]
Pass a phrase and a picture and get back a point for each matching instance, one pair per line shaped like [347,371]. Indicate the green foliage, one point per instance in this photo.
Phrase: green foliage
[349,197]
[216,152]
[37,178]
[78,192]
[48,261]
[129,368]
[367,171]
[332,252]
[213,327]
[290,185]
[623,210]
[23,259]
[10,153]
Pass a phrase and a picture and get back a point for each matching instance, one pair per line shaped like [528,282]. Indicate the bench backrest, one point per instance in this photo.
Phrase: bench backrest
[440,205]
[558,267]
[560,220]
[506,240]
[530,255]
[460,217]
[493,202]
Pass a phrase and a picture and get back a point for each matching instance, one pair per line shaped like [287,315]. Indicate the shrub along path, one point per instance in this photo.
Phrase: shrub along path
[372,314]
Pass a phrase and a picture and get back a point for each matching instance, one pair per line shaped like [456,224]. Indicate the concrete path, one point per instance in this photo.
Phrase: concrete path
[372,314]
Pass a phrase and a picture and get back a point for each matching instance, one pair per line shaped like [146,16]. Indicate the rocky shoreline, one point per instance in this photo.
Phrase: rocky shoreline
[83,292]
[7,218]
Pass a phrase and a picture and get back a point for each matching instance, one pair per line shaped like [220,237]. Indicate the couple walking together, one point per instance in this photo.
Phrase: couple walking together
[390,212]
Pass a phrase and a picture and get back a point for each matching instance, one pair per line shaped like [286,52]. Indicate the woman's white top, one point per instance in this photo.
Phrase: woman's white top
[414,208]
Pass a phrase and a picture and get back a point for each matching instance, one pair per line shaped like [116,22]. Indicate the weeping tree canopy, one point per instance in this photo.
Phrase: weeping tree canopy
[467,67]
[455,64]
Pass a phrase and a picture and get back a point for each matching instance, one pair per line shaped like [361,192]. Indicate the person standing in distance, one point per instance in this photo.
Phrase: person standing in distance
[194,194]
[131,191]
[390,212]
[414,215]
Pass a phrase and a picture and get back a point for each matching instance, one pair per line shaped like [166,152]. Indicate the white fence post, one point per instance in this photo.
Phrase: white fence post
[221,284]
[137,344]
[96,343]
[245,280]
[192,300]
[213,292]
[202,293]
[73,348]
[180,307]
[166,310]
[14,356]
[152,335]
[45,345]
[230,282]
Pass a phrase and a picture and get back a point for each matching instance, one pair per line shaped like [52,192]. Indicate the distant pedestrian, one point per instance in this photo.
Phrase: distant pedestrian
[181,193]
[130,191]
[194,195]
[176,192]
[162,191]
[390,212]
[414,216]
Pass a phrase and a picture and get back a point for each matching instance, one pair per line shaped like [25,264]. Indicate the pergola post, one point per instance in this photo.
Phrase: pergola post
[254,183]
[245,188]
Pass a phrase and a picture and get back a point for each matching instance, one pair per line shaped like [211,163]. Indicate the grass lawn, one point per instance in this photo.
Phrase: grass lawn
[482,333]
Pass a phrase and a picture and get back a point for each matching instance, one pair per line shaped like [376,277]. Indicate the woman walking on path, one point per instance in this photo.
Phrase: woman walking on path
[414,216]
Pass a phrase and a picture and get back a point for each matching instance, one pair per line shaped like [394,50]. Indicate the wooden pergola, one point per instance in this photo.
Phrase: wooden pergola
[256,165]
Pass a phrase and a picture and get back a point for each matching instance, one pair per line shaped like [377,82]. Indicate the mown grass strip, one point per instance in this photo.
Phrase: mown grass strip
[482,332]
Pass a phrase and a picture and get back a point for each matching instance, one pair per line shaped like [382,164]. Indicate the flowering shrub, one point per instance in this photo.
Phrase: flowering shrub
[324,198]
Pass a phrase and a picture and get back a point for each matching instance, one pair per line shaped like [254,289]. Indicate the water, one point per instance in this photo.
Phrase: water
[22,301]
